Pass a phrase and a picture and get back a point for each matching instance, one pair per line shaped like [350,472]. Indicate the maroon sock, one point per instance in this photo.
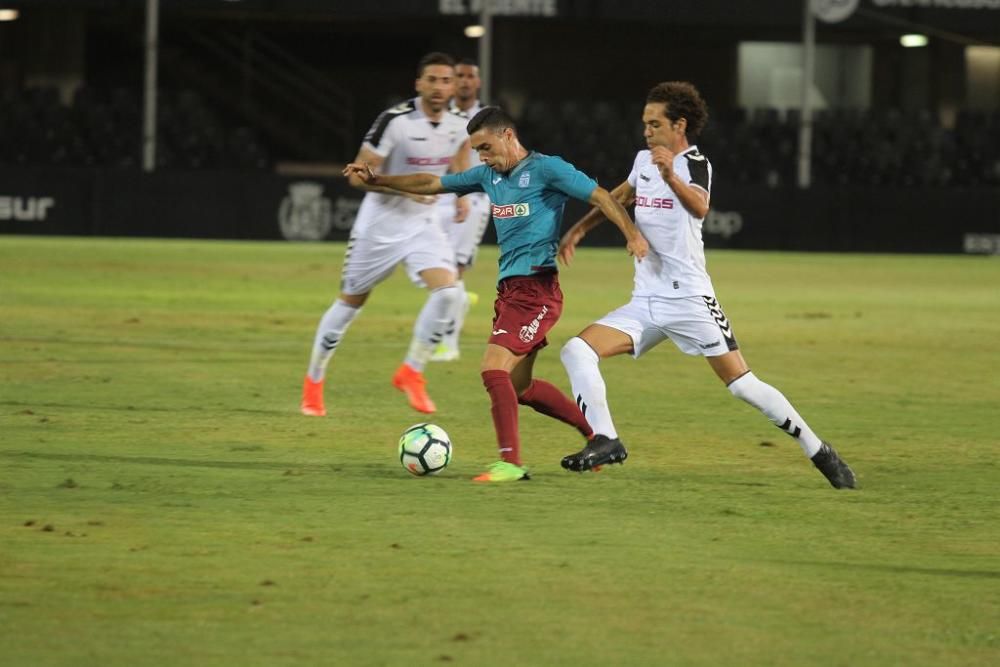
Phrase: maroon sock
[545,397]
[503,400]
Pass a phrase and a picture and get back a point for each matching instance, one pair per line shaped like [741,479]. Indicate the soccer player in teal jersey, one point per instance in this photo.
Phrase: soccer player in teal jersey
[528,192]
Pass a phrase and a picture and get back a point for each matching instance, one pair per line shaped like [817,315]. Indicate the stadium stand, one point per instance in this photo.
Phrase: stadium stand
[102,128]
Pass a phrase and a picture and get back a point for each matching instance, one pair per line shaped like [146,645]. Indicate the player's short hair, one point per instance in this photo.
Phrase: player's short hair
[467,61]
[491,118]
[681,100]
[434,58]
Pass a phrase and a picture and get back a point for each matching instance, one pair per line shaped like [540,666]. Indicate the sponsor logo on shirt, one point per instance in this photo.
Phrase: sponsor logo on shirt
[654,202]
[510,210]
[528,331]
[428,161]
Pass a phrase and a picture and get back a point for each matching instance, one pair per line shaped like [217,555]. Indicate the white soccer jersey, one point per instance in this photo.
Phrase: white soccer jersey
[409,143]
[465,236]
[675,265]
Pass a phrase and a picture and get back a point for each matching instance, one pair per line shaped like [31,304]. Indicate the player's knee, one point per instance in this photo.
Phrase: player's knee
[576,351]
[448,296]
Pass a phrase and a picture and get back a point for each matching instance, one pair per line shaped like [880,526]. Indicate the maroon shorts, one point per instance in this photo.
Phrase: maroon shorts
[525,309]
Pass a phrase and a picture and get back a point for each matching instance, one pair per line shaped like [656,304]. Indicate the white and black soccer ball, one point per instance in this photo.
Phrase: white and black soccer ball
[424,449]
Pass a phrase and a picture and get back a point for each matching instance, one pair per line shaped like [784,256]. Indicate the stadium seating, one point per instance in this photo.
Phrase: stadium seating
[103,128]
[760,146]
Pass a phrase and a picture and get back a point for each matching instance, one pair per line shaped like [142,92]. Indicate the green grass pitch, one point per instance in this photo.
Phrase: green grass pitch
[162,501]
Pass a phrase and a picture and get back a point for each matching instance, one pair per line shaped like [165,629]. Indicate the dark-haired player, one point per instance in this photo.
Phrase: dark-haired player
[673,296]
[392,228]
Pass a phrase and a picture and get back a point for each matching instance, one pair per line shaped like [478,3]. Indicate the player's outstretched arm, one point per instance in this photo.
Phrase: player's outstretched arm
[414,184]
[624,194]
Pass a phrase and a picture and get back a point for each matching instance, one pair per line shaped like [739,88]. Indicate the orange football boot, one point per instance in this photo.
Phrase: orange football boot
[312,398]
[412,383]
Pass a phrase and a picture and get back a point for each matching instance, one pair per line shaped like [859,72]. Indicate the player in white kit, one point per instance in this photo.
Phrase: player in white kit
[464,220]
[673,296]
[419,135]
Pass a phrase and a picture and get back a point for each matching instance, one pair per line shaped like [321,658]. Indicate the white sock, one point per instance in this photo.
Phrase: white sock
[430,326]
[589,389]
[450,339]
[332,327]
[776,407]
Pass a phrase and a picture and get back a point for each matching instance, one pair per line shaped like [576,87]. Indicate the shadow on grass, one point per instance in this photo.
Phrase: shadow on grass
[894,569]
[34,405]
[291,468]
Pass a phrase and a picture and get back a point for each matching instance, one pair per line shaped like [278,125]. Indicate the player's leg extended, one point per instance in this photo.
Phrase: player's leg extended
[545,398]
[497,364]
[331,330]
[447,349]
[427,332]
[465,238]
[743,384]
[581,356]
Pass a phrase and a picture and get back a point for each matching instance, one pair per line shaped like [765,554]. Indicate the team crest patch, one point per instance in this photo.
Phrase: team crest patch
[525,180]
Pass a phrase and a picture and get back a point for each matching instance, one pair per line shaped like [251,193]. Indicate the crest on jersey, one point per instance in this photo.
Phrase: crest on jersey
[524,180]
[305,214]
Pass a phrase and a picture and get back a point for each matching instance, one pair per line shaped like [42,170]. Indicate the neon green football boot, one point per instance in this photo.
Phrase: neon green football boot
[502,471]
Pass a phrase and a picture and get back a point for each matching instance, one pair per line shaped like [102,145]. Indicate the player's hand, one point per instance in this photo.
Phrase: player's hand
[362,170]
[663,158]
[567,246]
[637,246]
[461,209]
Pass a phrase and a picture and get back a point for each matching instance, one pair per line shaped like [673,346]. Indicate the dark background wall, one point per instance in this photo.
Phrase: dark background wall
[246,87]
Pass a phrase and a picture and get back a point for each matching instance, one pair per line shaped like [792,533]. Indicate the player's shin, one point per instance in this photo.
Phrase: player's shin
[545,398]
[332,327]
[431,325]
[503,407]
[776,407]
[591,393]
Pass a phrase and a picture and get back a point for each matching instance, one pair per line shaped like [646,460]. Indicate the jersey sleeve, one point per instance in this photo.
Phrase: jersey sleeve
[566,178]
[699,171]
[382,136]
[634,174]
[464,182]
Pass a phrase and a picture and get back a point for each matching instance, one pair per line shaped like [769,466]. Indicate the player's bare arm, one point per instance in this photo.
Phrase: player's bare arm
[459,163]
[624,194]
[616,213]
[692,197]
[413,184]
[373,162]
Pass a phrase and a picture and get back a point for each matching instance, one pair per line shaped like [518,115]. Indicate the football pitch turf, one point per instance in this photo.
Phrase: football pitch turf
[162,501]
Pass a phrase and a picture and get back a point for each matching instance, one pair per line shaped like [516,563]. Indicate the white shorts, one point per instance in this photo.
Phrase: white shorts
[465,236]
[696,324]
[368,262]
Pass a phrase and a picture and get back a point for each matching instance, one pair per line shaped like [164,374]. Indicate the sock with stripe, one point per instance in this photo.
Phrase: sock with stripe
[332,327]
[503,407]
[591,394]
[776,407]
[430,326]
[457,318]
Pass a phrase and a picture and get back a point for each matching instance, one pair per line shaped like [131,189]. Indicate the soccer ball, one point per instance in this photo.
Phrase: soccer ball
[424,449]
